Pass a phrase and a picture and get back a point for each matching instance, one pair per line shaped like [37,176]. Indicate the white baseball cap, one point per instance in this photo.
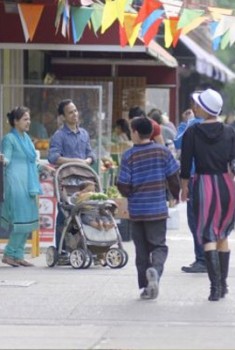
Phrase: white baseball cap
[209,100]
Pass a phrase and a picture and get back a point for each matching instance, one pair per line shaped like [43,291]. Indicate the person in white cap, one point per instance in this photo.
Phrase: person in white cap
[212,146]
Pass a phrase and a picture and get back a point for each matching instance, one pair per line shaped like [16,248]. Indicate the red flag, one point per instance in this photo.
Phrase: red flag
[146,9]
[122,36]
[153,30]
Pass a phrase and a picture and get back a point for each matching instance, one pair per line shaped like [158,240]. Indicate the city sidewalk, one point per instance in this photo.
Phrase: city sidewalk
[99,308]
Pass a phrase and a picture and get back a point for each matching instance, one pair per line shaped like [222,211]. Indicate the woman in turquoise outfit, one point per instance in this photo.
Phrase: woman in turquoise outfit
[20,214]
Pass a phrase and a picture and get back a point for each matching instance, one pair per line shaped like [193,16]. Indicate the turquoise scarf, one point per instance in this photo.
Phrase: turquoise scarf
[27,146]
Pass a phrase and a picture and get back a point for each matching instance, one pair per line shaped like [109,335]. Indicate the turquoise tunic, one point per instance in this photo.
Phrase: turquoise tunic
[19,210]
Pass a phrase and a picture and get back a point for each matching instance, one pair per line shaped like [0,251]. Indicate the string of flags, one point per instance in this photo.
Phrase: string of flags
[75,16]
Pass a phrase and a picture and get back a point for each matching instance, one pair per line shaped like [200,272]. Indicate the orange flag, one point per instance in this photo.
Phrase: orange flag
[146,9]
[30,17]
[174,31]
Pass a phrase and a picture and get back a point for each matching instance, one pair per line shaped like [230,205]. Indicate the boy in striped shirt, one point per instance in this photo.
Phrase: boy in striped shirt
[145,170]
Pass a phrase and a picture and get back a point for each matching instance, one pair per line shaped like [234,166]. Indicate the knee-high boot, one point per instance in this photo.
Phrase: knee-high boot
[213,268]
[224,265]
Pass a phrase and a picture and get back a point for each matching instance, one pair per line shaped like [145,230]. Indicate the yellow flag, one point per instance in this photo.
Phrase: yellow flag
[217,13]
[167,33]
[193,25]
[113,9]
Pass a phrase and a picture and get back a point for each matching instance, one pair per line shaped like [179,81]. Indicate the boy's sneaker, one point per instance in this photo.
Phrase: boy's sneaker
[144,295]
[152,288]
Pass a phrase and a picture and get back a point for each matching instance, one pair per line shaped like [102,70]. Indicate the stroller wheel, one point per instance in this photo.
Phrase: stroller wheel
[89,259]
[115,258]
[77,258]
[126,257]
[51,256]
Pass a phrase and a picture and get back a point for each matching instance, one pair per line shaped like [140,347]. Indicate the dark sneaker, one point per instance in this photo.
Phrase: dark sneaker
[152,288]
[196,267]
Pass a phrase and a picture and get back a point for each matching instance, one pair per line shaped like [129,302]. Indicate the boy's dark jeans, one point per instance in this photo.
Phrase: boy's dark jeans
[149,238]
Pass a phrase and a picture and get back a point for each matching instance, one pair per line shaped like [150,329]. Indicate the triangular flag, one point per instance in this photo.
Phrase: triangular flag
[120,9]
[146,9]
[113,10]
[30,15]
[80,16]
[216,41]
[109,15]
[132,39]
[172,7]
[224,24]
[188,16]
[65,20]
[193,25]
[131,29]
[96,17]
[224,41]
[170,26]
[216,12]
[122,36]
[176,37]
[155,15]
[59,11]
[168,38]
[152,32]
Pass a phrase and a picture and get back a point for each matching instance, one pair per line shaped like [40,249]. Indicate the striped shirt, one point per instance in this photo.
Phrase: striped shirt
[142,179]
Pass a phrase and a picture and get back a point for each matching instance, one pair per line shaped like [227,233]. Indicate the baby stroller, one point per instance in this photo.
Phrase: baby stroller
[83,243]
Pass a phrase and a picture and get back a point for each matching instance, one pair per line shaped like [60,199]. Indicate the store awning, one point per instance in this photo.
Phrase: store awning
[157,51]
[207,63]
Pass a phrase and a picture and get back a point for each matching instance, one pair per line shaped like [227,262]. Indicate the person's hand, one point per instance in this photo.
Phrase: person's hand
[88,161]
[51,170]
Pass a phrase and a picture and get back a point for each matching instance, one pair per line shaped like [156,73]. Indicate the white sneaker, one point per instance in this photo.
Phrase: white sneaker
[152,288]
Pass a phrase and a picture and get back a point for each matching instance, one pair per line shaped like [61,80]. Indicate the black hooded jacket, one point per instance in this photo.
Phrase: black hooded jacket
[210,145]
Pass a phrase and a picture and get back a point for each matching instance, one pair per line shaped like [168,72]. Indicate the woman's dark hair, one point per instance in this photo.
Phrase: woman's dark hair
[136,111]
[143,126]
[62,104]
[16,114]
[124,126]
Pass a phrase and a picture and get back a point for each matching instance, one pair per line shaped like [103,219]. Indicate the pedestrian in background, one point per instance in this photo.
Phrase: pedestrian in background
[20,213]
[211,144]
[191,117]
[144,171]
[70,143]
[167,132]
[156,135]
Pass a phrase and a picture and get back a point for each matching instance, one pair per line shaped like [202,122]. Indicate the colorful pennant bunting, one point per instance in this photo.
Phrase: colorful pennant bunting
[30,15]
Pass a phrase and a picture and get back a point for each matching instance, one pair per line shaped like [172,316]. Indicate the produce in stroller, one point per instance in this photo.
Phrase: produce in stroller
[90,232]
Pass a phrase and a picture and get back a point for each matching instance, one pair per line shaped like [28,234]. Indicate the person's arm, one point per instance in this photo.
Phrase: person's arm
[55,153]
[179,136]
[174,185]
[7,149]
[186,161]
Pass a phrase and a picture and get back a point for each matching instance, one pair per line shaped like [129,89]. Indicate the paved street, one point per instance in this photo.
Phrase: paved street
[99,308]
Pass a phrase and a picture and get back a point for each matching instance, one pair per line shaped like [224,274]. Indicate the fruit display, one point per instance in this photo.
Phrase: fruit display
[42,144]
[112,192]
